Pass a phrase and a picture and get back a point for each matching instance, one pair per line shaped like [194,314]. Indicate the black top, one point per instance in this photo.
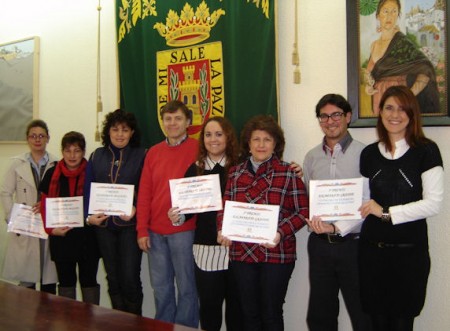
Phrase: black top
[397,182]
[78,242]
[206,230]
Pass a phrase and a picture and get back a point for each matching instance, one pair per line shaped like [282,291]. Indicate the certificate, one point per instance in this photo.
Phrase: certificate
[252,223]
[111,199]
[196,194]
[61,212]
[24,221]
[336,199]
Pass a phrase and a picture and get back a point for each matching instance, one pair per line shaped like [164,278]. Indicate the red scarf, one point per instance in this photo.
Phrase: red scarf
[76,175]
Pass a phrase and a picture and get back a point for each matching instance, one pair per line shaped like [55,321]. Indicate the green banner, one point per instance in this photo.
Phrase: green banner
[217,56]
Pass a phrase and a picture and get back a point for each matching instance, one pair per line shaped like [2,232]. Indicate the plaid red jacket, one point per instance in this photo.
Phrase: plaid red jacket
[275,184]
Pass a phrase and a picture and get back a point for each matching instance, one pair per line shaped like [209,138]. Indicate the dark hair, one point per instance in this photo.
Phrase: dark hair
[264,123]
[231,150]
[173,106]
[73,138]
[120,116]
[405,98]
[382,2]
[37,124]
[335,100]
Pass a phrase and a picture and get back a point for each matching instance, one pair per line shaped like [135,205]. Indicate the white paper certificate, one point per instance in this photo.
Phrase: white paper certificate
[24,221]
[252,223]
[336,199]
[61,212]
[196,194]
[111,199]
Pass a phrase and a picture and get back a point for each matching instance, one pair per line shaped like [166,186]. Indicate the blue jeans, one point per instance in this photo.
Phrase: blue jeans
[171,260]
[122,260]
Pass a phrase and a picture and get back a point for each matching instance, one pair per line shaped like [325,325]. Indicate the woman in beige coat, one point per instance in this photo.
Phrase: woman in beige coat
[27,259]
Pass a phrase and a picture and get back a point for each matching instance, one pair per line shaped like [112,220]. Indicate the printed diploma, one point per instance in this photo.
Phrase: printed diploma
[336,199]
[252,223]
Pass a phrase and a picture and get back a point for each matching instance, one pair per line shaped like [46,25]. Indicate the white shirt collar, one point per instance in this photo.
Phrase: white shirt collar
[209,164]
[401,147]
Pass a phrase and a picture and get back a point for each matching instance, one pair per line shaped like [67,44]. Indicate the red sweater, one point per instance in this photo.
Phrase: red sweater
[163,162]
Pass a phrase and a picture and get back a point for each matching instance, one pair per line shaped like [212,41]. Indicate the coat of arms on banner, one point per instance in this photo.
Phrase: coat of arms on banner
[217,56]
[194,73]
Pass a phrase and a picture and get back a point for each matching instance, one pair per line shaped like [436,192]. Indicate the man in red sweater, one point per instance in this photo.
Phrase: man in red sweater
[169,245]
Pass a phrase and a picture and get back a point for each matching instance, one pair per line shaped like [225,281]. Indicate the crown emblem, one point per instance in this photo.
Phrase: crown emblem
[188,28]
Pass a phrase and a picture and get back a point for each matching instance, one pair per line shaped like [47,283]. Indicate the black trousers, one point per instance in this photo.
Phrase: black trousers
[334,267]
[87,269]
[214,288]
[262,290]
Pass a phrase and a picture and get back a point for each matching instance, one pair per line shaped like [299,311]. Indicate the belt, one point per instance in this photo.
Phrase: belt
[337,239]
[381,244]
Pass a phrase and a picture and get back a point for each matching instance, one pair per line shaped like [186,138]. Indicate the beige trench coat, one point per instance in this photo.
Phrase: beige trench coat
[22,259]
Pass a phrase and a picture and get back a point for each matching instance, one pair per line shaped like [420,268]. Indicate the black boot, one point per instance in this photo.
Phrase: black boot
[91,294]
[48,288]
[67,292]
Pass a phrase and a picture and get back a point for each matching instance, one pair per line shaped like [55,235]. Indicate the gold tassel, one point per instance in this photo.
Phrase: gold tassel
[99,96]
[295,54]
[99,104]
[297,75]
[97,134]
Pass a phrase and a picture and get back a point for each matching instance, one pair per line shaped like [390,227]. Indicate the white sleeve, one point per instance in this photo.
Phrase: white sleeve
[430,205]
[346,227]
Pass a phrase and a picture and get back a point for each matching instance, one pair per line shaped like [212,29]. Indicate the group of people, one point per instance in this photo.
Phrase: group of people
[379,262]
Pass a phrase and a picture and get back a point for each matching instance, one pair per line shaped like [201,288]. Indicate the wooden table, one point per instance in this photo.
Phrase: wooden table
[24,309]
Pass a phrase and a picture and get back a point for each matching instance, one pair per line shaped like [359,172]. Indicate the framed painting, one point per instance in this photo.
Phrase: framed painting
[398,42]
[19,78]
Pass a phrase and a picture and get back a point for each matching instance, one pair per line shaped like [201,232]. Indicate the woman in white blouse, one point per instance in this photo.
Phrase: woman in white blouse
[405,171]
[218,150]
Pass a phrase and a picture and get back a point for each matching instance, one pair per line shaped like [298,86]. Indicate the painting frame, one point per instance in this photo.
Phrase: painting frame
[19,87]
[355,78]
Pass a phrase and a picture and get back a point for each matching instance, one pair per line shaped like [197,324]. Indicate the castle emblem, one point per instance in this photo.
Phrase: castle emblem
[193,74]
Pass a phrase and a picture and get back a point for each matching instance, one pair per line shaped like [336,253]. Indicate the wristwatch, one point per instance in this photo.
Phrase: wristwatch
[87,221]
[385,215]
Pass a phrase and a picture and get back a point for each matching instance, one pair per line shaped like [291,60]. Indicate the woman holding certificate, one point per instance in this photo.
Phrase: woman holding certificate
[27,258]
[406,186]
[71,247]
[119,161]
[262,270]
[218,149]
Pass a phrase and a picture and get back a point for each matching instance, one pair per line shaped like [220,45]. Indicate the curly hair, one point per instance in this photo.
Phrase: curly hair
[120,116]
[231,150]
[264,123]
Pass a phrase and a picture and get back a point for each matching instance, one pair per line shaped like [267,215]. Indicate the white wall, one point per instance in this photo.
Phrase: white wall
[68,32]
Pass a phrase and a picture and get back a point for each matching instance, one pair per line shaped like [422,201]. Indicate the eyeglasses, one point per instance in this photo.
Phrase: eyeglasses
[323,118]
[37,136]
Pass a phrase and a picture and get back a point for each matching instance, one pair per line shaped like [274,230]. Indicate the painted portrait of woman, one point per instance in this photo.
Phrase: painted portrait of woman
[402,42]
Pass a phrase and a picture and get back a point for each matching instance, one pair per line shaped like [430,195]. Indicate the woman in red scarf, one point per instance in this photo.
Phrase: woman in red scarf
[71,247]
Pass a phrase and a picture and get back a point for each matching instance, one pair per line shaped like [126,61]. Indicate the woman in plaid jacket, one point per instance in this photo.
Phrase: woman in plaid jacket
[262,271]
